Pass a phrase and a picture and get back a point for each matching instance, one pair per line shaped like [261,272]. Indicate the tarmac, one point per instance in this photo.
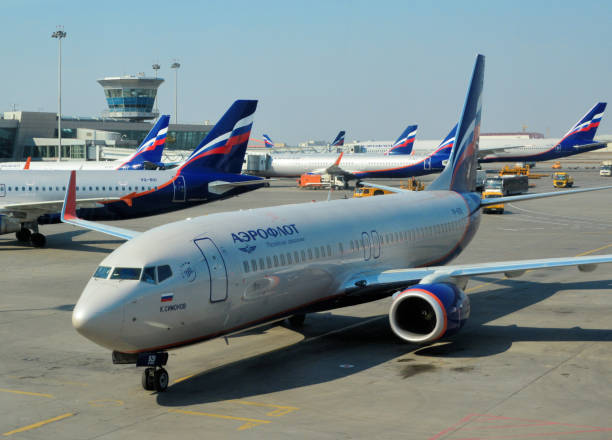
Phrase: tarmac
[535,359]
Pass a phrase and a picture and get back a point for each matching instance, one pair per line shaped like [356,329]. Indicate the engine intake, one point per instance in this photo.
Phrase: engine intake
[427,312]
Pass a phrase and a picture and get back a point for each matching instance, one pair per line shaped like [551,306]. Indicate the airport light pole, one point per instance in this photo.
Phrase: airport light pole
[59,34]
[156,67]
[175,66]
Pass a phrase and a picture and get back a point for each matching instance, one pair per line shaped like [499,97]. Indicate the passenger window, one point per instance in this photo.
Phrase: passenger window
[63,188]
[309,253]
[269,261]
[102,272]
[163,273]
[148,275]
[296,257]
[126,273]
[303,254]
[323,251]
[37,188]
[254,265]
[262,265]
[44,188]
[245,264]
[289,261]
[97,188]
[316,251]
[282,259]
[91,188]
[275,260]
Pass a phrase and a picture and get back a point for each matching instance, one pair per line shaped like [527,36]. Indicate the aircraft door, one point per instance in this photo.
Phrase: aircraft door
[375,244]
[427,164]
[179,189]
[367,245]
[216,267]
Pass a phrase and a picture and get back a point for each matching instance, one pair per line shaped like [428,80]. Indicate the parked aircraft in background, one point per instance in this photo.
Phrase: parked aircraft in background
[198,279]
[267,141]
[147,156]
[399,163]
[339,141]
[579,139]
[29,197]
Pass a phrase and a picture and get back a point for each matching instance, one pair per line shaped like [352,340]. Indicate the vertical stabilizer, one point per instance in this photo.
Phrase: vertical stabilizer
[404,143]
[460,172]
[339,141]
[584,130]
[151,148]
[224,147]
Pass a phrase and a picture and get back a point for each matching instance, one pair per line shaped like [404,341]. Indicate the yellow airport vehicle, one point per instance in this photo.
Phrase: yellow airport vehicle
[364,191]
[493,194]
[562,180]
[556,165]
[412,185]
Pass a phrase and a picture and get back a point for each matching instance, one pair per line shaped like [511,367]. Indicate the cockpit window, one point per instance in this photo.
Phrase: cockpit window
[102,272]
[148,275]
[163,273]
[126,273]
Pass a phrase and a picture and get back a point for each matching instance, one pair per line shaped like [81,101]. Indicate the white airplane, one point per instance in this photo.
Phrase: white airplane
[198,279]
[147,156]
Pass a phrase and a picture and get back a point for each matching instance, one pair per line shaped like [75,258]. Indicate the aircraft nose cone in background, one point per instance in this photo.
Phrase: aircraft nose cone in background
[100,323]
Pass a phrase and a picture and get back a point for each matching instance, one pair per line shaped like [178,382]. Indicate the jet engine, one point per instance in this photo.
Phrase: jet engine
[8,224]
[426,312]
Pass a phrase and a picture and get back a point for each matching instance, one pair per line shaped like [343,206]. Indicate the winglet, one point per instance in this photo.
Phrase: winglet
[69,208]
[337,162]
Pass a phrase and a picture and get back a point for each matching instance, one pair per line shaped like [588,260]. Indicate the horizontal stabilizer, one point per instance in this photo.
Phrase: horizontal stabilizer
[221,186]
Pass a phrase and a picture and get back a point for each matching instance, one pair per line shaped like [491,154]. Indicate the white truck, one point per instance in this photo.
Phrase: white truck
[606,168]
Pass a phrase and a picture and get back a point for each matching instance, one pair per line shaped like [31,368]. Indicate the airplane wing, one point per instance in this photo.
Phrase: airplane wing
[508,199]
[35,209]
[400,278]
[69,215]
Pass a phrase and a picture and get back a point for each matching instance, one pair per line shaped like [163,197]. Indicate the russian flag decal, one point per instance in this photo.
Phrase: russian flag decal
[167,297]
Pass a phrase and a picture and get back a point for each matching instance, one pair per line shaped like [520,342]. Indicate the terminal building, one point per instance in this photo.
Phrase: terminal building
[130,115]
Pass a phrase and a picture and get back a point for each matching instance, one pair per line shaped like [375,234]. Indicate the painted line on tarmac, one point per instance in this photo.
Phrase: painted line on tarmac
[26,393]
[594,250]
[250,423]
[279,410]
[38,424]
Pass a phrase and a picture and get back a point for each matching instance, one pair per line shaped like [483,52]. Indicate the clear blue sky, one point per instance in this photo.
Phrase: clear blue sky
[316,67]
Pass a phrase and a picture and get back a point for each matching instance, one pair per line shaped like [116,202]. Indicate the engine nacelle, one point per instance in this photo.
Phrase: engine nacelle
[8,225]
[426,312]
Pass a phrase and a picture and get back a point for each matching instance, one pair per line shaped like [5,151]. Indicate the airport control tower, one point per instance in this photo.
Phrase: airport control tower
[131,97]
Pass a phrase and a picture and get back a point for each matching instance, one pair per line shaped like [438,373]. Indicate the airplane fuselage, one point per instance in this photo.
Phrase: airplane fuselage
[359,165]
[234,270]
[126,194]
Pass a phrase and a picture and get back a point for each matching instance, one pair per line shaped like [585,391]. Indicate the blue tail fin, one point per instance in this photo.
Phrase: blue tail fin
[267,141]
[224,147]
[584,130]
[460,172]
[151,148]
[446,146]
[339,141]
[404,143]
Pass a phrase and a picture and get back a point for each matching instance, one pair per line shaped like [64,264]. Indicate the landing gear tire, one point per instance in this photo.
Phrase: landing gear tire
[148,379]
[297,320]
[38,240]
[161,380]
[24,235]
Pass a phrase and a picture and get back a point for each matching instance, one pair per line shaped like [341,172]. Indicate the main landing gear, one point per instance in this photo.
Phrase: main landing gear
[24,235]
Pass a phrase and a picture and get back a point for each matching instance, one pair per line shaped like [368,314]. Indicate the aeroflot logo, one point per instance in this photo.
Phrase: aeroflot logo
[264,234]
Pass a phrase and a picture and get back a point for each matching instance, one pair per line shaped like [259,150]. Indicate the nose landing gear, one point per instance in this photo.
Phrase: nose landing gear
[155,379]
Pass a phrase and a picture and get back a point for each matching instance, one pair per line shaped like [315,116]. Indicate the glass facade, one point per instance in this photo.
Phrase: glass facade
[7,140]
[176,140]
[50,151]
[130,100]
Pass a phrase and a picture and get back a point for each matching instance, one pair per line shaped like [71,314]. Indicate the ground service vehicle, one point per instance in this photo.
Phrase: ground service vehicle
[321,181]
[606,168]
[508,185]
[562,180]
[367,192]
[492,194]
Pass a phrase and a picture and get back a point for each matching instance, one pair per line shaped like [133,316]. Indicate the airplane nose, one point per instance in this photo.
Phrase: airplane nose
[100,325]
